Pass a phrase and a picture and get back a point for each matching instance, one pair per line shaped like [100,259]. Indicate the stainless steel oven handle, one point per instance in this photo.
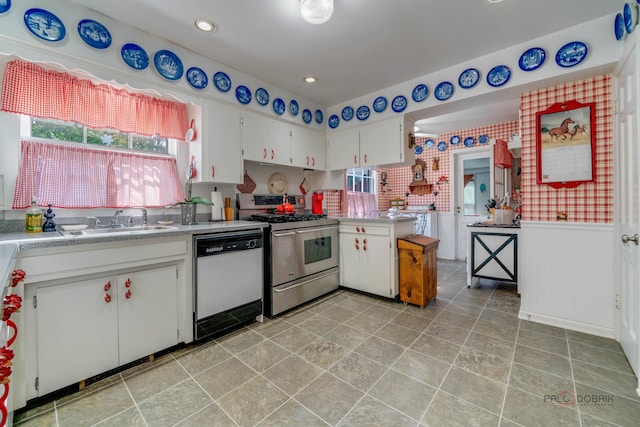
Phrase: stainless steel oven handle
[290,233]
[304,283]
[311,230]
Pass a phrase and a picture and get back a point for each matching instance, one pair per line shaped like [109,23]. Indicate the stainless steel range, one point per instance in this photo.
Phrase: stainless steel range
[301,253]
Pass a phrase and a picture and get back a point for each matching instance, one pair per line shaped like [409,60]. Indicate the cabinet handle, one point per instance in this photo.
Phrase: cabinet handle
[365,158]
[363,229]
[107,298]
[364,248]
[307,160]
[357,241]
[272,154]
[107,286]
[264,154]
[213,171]
[357,229]
[127,283]
[355,159]
[313,161]
[357,247]
[127,294]
[364,241]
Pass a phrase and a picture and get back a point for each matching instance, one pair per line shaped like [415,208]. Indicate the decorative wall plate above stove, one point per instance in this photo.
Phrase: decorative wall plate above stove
[277,183]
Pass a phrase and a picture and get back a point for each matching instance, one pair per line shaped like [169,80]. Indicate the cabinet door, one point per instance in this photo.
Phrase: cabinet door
[351,267]
[221,145]
[147,312]
[265,140]
[365,263]
[308,148]
[381,143]
[343,150]
[77,332]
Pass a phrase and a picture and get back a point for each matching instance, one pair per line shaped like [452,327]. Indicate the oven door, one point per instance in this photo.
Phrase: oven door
[318,249]
[284,256]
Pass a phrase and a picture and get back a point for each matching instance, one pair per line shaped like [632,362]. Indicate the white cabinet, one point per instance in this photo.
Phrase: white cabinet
[369,257]
[221,144]
[381,143]
[308,148]
[91,326]
[265,139]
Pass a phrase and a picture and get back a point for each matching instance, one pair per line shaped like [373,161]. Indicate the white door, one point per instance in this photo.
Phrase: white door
[627,211]
[462,220]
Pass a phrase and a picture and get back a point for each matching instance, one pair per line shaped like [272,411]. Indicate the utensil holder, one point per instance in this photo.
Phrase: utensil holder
[188,213]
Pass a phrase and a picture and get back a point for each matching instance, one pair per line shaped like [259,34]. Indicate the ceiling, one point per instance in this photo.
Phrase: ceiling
[367,45]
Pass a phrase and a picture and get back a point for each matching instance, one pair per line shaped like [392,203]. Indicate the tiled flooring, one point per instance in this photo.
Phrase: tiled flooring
[354,360]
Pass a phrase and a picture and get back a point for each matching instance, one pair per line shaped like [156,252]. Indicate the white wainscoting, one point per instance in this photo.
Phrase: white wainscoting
[446,235]
[567,276]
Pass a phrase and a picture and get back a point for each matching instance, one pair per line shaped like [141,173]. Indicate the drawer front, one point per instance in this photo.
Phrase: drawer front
[373,230]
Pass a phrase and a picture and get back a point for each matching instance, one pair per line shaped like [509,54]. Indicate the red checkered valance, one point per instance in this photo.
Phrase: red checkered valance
[80,177]
[29,89]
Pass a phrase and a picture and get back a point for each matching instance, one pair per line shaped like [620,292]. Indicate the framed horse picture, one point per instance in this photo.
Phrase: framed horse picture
[565,144]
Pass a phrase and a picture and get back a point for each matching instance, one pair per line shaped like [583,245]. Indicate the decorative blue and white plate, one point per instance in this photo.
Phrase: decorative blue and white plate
[418,149]
[93,33]
[380,104]
[279,106]
[630,16]
[319,117]
[618,26]
[334,121]
[168,64]
[134,56]
[294,108]
[469,141]
[197,78]
[455,140]
[362,113]
[420,93]
[5,5]
[262,96]
[483,139]
[243,94]
[399,103]
[499,75]
[429,143]
[306,116]
[347,113]
[571,54]
[469,78]
[443,91]
[221,81]
[44,24]
[532,59]
[442,146]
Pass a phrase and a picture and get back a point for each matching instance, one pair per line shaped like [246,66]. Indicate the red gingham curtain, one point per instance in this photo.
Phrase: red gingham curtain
[358,205]
[79,177]
[30,89]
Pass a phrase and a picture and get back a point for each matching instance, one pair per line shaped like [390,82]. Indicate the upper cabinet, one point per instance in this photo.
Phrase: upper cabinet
[381,143]
[221,144]
[308,148]
[265,139]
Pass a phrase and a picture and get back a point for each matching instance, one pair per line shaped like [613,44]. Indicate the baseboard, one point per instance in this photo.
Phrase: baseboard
[567,324]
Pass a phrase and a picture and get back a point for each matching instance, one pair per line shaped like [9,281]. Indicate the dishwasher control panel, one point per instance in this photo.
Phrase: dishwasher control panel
[217,244]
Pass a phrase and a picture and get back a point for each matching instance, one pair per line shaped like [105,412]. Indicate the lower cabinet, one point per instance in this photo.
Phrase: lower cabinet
[88,327]
[369,257]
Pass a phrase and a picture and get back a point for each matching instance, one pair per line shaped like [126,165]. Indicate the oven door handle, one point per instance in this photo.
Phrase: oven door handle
[311,230]
[303,283]
[289,233]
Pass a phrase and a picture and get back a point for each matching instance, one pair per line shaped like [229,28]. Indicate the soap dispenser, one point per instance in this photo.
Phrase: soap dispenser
[33,219]
[49,223]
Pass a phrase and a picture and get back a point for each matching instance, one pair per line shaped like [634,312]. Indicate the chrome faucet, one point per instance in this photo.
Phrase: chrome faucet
[144,216]
[114,219]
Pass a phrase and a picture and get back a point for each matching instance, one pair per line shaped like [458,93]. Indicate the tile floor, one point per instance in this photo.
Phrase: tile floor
[353,360]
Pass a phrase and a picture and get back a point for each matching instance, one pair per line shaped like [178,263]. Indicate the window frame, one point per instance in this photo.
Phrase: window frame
[361,173]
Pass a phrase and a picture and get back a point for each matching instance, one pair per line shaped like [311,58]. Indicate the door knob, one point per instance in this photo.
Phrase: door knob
[627,239]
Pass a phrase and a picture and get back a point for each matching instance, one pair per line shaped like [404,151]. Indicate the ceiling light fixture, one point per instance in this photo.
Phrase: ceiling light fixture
[310,79]
[494,1]
[316,11]
[206,26]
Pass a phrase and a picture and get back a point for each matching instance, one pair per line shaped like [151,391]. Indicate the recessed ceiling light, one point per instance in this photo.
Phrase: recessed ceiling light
[494,1]
[310,79]
[206,25]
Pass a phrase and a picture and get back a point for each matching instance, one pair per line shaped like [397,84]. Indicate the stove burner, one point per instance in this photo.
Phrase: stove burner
[280,218]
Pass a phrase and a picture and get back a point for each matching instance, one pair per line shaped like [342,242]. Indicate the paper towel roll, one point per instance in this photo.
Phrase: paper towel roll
[216,209]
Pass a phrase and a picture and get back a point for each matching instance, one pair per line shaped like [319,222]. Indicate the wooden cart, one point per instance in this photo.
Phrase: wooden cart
[418,269]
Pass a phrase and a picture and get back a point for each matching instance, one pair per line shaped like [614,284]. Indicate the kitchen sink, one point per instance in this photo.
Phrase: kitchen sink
[141,229]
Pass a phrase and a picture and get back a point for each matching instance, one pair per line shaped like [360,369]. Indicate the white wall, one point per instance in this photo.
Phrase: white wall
[566,272]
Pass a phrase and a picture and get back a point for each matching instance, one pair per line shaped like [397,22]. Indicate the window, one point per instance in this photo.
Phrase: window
[58,130]
[361,180]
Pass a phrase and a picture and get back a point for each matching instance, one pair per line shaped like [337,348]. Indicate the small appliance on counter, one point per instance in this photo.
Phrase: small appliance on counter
[316,203]
[217,208]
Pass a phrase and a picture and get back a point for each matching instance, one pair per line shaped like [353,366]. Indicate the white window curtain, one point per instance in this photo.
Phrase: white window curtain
[79,177]
[358,205]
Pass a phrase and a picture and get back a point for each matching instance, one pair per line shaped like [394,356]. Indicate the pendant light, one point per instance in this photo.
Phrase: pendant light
[316,11]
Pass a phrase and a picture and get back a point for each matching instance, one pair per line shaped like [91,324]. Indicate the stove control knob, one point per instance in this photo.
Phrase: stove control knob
[252,243]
